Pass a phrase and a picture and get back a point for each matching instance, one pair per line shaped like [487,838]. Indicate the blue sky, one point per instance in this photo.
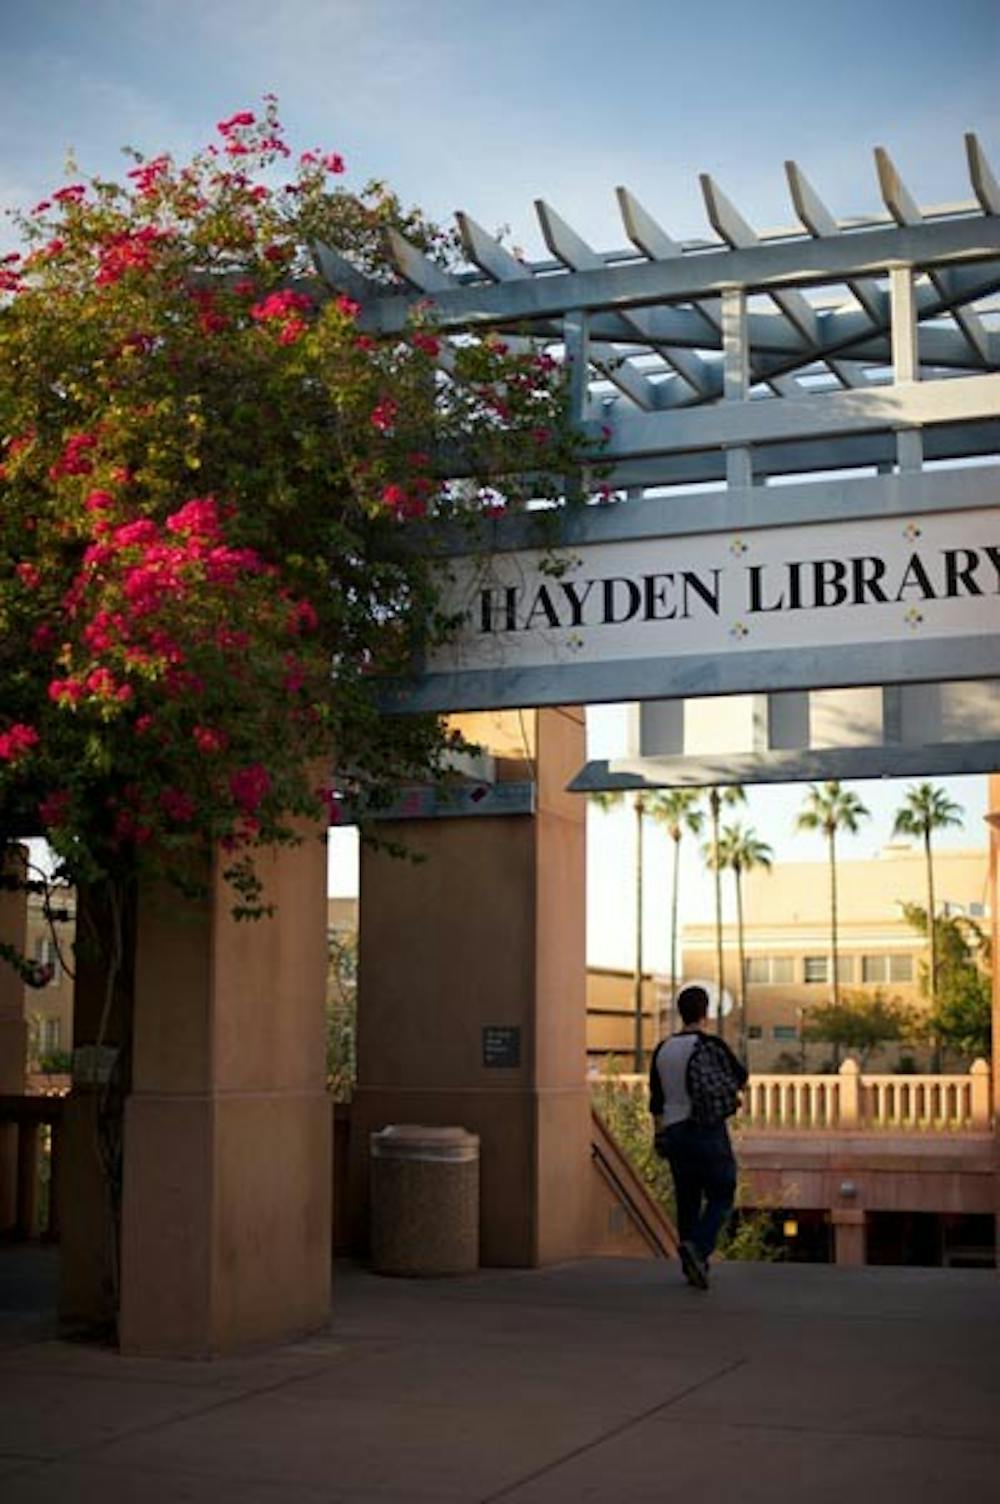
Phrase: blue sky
[484,106]
[475,105]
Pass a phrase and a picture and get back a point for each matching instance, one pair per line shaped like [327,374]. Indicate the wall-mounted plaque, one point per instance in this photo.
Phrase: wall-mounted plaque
[501,1045]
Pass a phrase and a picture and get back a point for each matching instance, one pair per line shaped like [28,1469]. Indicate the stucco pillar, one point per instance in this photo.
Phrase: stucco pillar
[226,1212]
[486,933]
[848,1235]
[13,1028]
[86,1279]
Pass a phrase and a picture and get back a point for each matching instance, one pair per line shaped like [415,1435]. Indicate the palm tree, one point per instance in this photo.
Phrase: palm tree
[679,810]
[607,801]
[717,799]
[927,808]
[741,850]
[830,808]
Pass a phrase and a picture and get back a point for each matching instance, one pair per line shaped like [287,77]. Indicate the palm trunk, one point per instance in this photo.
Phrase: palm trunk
[672,1005]
[637,978]
[714,802]
[742,963]
[932,937]
[835,987]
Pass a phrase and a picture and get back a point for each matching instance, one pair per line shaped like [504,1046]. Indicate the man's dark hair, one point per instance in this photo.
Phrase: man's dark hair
[692,1004]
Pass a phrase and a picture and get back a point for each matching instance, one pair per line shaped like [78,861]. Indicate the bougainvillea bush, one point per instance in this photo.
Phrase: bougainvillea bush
[210,484]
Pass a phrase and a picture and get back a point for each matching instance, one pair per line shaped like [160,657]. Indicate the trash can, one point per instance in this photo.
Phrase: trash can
[424,1200]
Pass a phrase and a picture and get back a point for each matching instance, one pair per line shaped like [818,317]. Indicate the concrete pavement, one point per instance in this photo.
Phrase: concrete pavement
[607,1380]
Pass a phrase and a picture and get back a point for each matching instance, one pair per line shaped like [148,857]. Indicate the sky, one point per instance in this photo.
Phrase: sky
[482,106]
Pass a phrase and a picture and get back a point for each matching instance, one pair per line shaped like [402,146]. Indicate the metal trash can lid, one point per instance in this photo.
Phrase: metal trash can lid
[415,1141]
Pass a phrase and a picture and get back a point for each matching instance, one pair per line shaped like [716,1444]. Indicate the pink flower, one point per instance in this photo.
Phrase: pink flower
[347,306]
[147,175]
[302,617]
[177,805]
[53,808]
[208,740]
[249,786]
[291,332]
[241,118]
[129,250]
[403,503]
[74,458]
[198,517]
[383,416]
[17,742]
[280,305]
[101,682]
[98,501]
[294,676]
[65,691]
[333,162]
[132,534]
[70,195]
[29,575]
[427,343]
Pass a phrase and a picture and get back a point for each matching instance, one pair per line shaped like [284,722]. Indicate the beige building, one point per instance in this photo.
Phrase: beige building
[611,1015]
[48,1009]
[787,941]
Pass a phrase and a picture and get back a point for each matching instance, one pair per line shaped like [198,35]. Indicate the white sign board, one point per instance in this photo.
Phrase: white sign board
[721,612]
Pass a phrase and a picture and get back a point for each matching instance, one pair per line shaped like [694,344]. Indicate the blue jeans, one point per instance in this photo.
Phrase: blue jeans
[704,1170]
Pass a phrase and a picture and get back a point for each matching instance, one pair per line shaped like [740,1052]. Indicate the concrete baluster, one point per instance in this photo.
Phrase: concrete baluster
[850,1094]
[980,1094]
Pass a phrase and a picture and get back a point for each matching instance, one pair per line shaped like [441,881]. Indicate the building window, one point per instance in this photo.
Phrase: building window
[845,968]
[977,910]
[887,968]
[50,1035]
[785,1031]
[754,1031]
[815,969]
[47,955]
[776,970]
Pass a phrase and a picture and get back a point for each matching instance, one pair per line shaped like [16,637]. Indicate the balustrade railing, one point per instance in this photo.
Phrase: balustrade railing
[851,1100]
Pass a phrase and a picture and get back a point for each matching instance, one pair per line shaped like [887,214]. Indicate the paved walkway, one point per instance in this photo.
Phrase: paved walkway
[603,1381]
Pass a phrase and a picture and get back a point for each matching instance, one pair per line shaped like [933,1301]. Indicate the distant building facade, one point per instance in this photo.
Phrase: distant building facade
[787,942]
[48,1009]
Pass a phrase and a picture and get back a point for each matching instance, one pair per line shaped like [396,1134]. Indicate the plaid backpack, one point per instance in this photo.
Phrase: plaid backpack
[713,1081]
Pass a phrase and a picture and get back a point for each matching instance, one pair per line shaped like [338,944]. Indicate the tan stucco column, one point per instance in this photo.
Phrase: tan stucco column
[849,1243]
[486,933]
[86,1279]
[13,1029]
[226,1222]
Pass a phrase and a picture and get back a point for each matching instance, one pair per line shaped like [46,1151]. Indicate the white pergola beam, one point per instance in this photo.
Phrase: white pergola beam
[728,223]
[820,222]
[761,268]
[984,184]
[964,399]
[906,211]
[574,252]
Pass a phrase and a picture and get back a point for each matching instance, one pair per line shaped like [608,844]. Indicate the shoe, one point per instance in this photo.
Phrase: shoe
[694,1266]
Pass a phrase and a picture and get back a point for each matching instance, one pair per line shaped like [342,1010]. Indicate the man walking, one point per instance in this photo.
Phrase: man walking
[694,1085]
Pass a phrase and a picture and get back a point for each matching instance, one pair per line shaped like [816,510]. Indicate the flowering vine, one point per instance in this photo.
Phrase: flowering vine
[208,478]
